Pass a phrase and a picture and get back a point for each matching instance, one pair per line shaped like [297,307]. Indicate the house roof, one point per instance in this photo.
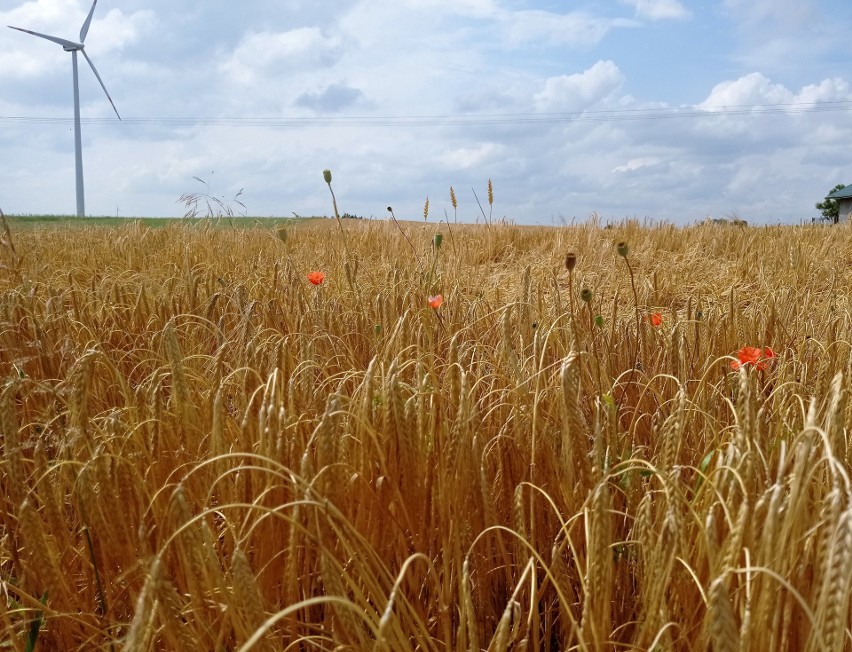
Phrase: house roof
[843,193]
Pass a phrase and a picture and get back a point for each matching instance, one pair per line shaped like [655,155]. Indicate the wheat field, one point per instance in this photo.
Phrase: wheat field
[203,450]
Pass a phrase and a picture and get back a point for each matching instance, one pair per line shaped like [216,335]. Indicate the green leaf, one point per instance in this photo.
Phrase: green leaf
[705,464]
[35,627]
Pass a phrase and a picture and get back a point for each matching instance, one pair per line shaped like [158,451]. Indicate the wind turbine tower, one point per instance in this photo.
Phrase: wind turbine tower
[74,48]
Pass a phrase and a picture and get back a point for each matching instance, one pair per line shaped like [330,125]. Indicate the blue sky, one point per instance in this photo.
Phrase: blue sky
[668,109]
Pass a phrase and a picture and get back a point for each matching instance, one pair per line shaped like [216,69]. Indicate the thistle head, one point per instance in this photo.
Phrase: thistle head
[570,261]
[622,249]
[586,295]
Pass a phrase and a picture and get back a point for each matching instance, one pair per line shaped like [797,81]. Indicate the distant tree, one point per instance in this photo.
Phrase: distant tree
[829,208]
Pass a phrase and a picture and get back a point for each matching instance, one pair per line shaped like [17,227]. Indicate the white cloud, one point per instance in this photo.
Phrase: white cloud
[268,53]
[477,8]
[637,164]
[659,9]
[22,65]
[571,93]
[784,36]
[24,56]
[576,29]
[470,157]
[749,90]
[828,90]
[428,22]
[773,14]
[117,30]
[55,13]
[333,98]
[756,89]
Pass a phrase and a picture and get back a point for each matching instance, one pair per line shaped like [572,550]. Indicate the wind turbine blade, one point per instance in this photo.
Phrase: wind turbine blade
[68,45]
[85,30]
[101,81]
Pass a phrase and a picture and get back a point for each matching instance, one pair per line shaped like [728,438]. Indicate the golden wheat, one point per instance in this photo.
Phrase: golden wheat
[200,448]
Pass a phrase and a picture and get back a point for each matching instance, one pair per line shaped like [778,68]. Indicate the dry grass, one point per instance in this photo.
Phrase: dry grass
[201,450]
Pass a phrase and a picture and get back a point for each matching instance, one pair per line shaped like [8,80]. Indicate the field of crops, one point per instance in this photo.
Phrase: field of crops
[502,438]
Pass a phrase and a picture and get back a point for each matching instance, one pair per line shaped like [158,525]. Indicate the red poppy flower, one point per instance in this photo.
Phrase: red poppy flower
[316,277]
[436,301]
[754,356]
[656,319]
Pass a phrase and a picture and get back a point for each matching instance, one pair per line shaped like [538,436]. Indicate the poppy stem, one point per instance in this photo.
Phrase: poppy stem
[440,319]
[407,239]
[638,354]
[484,216]
[623,251]
[597,359]
[450,229]
[571,294]
[337,217]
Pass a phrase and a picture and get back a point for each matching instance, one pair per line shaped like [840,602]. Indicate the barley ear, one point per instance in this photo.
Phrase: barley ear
[44,565]
[247,593]
[575,445]
[14,485]
[722,625]
[81,381]
[141,625]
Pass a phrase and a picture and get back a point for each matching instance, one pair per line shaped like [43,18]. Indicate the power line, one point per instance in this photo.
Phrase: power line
[612,115]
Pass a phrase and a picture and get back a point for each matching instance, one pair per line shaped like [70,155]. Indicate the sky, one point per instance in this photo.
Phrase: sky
[668,110]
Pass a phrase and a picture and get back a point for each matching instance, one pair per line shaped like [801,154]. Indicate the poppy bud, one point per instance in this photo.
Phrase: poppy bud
[622,249]
[439,238]
[570,261]
[326,174]
[599,321]
[586,295]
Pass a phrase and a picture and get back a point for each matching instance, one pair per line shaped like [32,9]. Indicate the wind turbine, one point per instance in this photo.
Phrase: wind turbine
[74,48]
